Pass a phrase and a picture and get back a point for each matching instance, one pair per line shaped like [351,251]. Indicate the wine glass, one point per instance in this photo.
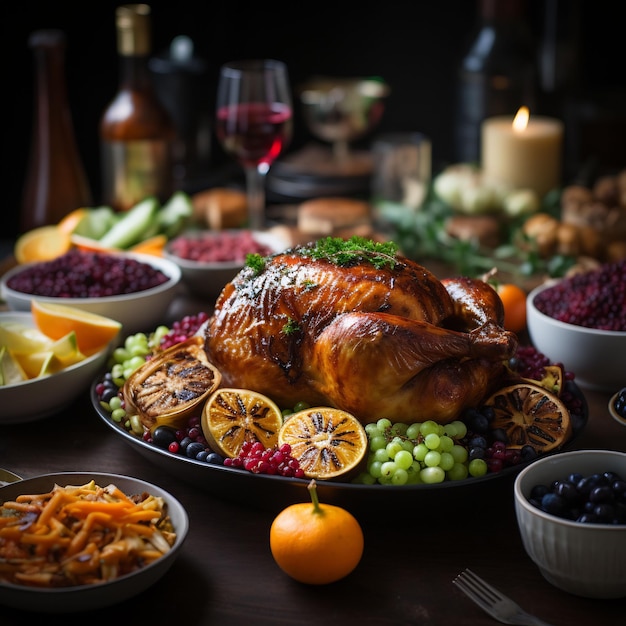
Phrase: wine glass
[254,122]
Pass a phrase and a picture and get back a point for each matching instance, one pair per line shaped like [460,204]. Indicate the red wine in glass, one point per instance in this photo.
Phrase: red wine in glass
[255,132]
[254,122]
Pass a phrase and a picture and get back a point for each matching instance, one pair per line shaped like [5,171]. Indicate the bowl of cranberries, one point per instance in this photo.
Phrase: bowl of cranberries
[134,289]
[580,322]
[571,513]
[209,259]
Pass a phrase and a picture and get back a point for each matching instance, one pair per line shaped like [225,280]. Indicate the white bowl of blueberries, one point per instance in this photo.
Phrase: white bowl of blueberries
[571,513]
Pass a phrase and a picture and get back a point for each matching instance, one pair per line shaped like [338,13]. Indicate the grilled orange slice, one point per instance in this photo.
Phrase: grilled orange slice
[531,415]
[233,416]
[328,443]
[166,389]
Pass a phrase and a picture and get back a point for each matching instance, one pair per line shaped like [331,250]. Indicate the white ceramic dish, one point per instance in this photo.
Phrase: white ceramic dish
[37,398]
[91,597]
[584,559]
[596,357]
[135,311]
[206,280]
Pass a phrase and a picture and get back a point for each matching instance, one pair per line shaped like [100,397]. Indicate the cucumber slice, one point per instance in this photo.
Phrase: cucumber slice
[175,214]
[96,222]
[132,227]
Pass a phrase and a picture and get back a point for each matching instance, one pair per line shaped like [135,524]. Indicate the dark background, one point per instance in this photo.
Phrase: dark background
[415,46]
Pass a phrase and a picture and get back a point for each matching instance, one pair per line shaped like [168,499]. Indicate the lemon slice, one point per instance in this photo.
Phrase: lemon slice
[11,371]
[38,364]
[233,416]
[23,339]
[328,443]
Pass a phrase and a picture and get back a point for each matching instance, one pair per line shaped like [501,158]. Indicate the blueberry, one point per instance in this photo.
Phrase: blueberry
[193,449]
[553,504]
[214,459]
[163,436]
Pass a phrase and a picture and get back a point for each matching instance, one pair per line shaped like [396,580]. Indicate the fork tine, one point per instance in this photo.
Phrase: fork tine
[461,582]
[490,593]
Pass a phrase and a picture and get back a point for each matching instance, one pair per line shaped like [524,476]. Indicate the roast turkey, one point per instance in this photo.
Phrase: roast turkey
[378,341]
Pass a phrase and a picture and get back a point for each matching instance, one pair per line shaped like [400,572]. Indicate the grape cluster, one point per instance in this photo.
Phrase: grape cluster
[256,458]
[421,452]
[183,329]
[593,499]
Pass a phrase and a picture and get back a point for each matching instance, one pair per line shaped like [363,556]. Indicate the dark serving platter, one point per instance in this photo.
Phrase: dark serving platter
[275,492]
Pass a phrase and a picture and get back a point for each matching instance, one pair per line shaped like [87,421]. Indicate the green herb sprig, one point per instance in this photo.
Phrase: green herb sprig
[354,250]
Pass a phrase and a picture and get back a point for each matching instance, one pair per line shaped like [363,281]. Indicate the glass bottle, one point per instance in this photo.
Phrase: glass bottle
[55,182]
[136,131]
[497,75]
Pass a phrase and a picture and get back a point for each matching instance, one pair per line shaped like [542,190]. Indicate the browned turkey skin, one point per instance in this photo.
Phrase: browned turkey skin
[393,342]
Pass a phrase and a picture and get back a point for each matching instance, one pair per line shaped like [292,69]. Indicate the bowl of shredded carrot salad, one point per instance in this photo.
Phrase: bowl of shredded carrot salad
[79,541]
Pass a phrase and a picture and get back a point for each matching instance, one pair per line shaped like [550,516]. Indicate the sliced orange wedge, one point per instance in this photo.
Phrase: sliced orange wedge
[93,332]
[41,244]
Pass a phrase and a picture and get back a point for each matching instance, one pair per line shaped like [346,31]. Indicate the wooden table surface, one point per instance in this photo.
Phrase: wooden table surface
[226,575]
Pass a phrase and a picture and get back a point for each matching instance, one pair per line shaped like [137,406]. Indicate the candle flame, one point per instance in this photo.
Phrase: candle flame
[520,122]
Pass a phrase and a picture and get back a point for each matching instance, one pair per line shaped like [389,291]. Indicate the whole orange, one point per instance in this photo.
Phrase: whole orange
[514,300]
[316,543]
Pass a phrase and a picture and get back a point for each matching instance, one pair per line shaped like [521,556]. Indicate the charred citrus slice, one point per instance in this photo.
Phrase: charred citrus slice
[531,415]
[328,443]
[233,416]
[166,389]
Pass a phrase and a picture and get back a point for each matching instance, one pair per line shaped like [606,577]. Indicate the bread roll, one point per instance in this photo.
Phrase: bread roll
[326,216]
[220,208]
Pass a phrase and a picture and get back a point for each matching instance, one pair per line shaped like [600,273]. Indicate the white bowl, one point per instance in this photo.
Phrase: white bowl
[583,559]
[596,357]
[206,280]
[91,597]
[37,398]
[137,312]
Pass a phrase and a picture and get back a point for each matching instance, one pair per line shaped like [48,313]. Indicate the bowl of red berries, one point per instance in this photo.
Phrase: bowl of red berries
[209,259]
[134,289]
[580,322]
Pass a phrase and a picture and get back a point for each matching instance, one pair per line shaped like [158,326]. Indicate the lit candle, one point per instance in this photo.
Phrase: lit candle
[523,153]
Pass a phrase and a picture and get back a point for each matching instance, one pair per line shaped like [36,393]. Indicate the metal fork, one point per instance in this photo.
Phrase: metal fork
[493,602]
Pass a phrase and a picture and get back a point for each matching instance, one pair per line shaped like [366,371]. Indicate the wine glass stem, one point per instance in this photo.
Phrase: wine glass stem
[341,150]
[255,189]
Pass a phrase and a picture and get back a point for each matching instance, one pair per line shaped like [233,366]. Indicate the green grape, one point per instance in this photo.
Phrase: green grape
[408,445]
[450,430]
[301,406]
[381,455]
[383,424]
[377,443]
[375,469]
[458,472]
[446,443]
[477,467]
[428,427]
[388,469]
[372,430]
[399,428]
[432,475]
[420,451]
[367,479]
[115,403]
[393,447]
[459,453]
[432,441]
[432,458]
[120,355]
[447,461]
[117,415]
[461,429]
[403,459]
[413,431]
[399,477]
